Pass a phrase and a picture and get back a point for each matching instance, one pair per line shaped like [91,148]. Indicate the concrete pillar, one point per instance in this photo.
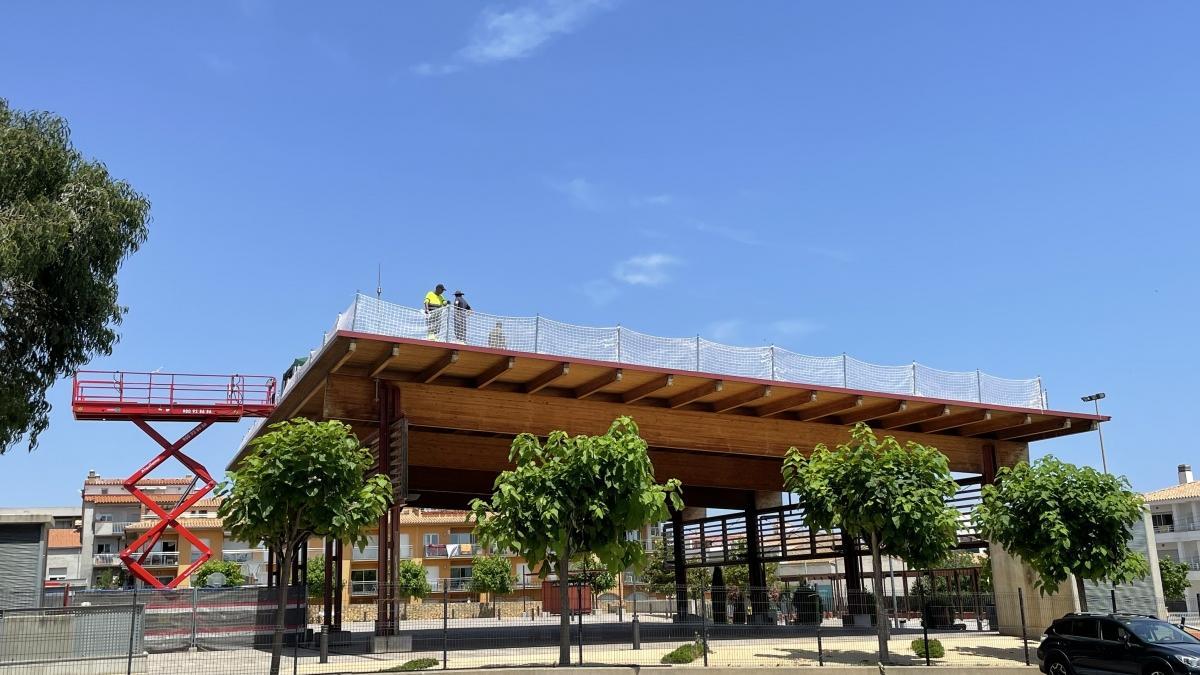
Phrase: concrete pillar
[1010,574]
[757,573]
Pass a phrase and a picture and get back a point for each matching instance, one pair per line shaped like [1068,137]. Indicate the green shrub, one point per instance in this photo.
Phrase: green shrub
[936,651]
[685,653]
[415,664]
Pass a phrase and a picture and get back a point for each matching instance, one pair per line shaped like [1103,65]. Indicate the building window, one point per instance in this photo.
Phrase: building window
[363,582]
[103,491]
[104,548]
[58,573]
[1163,522]
[432,539]
[460,578]
[104,518]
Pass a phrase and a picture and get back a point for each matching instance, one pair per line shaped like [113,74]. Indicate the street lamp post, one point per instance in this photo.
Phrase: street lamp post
[1095,398]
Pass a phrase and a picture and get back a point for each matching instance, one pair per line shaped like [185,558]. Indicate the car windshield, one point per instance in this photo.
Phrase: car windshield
[1158,632]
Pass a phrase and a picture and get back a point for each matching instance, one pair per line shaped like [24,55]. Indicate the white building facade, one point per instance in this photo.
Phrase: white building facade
[1175,514]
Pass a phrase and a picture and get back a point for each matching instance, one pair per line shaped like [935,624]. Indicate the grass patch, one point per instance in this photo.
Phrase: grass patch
[415,664]
[685,653]
[936,650]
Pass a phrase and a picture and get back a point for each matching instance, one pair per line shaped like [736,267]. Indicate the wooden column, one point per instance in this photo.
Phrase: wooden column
[384,621]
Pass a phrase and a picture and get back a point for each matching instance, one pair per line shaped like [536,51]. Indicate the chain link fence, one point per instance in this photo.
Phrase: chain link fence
[230,630]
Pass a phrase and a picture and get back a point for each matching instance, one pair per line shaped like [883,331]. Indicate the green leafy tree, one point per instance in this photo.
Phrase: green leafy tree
[573,494]
[302,479]
[1174,578]
[892,495]
[1064,520]
[658,574]
[314,580]
[109,580]
[231,570]
[593,573]
[491,574]
[411,583]
[66,225]
[737,577]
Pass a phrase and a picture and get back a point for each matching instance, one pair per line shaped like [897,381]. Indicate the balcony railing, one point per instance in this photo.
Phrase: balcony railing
[246,555]
[162,559]
[452,550]
[105,559]
[1181,526]
[367,553]
[110,528]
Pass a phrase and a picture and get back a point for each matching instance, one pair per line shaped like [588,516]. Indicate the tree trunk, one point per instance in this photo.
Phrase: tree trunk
[285,573]
[880,613]
[1082,595]
[564,614]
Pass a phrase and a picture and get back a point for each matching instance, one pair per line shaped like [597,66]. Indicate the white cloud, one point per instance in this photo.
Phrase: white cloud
[600,291]
[726,330]
[731,233]
[661,199]
[217,63]
[794,327]
[435,69]
[580,191]
[520,31]
[645,270]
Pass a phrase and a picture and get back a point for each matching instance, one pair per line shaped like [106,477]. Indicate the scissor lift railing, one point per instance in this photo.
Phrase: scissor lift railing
[169,397]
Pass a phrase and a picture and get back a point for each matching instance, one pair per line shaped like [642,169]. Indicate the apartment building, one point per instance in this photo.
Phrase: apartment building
[1175,515]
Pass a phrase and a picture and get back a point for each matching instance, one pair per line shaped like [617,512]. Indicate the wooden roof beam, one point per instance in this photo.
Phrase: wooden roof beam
[786,404]
[914,416]
[432,372]
[489,376]
[954,421]
[680,400]
[386,361]
[738,400]
[1034,429]
[642,391]
[350,349]
[997,423]
[598,383]
[542,381]
[866,414]
[830,408]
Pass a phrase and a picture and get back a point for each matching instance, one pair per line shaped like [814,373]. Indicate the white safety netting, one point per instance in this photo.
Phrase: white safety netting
[539,335]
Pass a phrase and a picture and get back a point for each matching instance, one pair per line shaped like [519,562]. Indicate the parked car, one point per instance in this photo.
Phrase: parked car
[1091,643]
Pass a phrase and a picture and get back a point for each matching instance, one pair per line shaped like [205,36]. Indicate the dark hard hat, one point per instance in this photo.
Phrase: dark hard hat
[458,292]
[439,288]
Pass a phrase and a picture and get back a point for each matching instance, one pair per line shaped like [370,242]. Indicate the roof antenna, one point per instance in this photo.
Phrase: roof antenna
[379,281]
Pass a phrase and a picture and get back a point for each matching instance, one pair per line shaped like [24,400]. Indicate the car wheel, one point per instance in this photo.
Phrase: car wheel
[1059,666]
[1158,670]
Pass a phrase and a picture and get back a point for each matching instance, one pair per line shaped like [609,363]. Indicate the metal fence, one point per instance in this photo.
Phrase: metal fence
[539,335]
[230,630]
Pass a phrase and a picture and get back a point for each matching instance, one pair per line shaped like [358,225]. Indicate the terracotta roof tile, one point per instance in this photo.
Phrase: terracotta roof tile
[64,538]
[189,523]
[130,499]
[144,481]
[423,516]
[1185,491]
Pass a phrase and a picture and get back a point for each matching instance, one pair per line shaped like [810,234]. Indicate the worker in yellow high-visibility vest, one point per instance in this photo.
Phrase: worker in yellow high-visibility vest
[434,302]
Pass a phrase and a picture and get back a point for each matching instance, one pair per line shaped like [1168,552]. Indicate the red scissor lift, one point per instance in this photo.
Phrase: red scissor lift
[169,397]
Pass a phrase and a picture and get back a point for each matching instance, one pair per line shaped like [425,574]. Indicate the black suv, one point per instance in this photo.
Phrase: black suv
[1089,643]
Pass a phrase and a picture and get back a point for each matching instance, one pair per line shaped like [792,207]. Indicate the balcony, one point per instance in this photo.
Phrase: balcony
[105,560]
[109,528]
[452,550]
[1181,526]
[247,555]
[162,559]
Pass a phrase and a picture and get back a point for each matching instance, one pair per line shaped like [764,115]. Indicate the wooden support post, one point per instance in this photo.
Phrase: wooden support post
[681,595]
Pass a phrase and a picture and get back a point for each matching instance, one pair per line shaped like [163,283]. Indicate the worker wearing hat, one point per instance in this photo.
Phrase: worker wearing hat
[462,309]
[434,302]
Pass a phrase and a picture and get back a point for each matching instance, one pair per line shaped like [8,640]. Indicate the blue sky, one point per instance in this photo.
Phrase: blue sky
[1004,186]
